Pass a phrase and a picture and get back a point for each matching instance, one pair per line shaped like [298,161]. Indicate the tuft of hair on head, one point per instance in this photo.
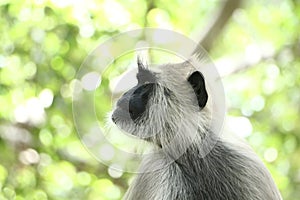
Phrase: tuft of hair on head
[140,63]
[144,73]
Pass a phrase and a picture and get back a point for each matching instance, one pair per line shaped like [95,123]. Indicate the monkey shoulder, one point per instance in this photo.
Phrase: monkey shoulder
[224,173]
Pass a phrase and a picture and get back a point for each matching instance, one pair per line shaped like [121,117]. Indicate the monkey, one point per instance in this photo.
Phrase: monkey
[169,108]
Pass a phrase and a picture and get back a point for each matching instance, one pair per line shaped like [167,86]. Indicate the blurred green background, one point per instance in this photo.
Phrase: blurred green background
[44,42]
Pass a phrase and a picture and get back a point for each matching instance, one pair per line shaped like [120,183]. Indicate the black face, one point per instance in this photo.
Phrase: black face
[136,99]
[139,100]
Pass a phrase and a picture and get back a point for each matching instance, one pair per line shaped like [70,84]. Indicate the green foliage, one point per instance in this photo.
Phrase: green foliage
[43,44]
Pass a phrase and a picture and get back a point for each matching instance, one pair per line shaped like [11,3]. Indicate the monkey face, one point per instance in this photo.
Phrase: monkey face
[133,103]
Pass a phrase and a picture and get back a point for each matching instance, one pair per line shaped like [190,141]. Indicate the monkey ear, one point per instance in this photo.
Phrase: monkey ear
[196,80]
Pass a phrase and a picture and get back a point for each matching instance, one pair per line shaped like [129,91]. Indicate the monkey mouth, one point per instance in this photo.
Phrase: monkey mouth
[123,120]
[120,115]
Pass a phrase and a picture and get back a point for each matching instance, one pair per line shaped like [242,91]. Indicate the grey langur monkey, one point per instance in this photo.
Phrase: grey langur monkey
[169,107]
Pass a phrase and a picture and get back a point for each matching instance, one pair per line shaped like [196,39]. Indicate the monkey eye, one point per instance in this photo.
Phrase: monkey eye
[139,99]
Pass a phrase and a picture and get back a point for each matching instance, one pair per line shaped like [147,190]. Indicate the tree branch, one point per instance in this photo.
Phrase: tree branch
[241,62]
[216,25]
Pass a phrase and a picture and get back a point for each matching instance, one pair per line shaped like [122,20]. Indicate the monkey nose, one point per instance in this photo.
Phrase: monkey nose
[113,118]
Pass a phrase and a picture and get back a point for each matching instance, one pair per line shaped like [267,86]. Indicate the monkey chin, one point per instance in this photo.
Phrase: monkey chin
[121,118]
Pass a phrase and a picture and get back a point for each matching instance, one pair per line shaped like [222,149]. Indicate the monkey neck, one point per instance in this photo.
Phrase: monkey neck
[199,151]
[184,144]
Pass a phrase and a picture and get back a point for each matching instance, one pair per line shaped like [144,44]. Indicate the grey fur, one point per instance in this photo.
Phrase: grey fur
[178,126]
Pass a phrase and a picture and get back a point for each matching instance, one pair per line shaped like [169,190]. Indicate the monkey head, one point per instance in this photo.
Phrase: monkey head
[165,102]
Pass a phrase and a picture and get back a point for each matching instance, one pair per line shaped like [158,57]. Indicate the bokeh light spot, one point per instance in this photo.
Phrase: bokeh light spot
[270,154]
[29,156]
[91,81]
[115,171]
[107,152]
